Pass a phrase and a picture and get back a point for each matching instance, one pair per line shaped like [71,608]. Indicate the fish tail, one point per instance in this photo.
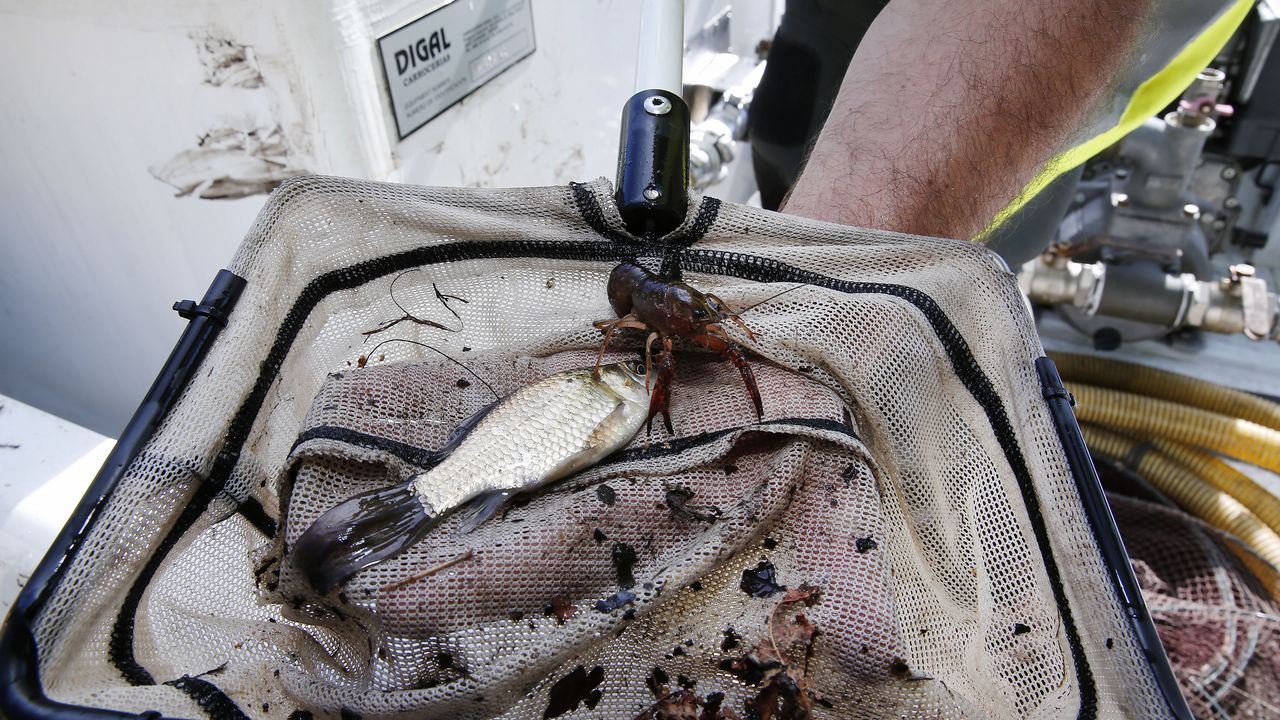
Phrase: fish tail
[359,532]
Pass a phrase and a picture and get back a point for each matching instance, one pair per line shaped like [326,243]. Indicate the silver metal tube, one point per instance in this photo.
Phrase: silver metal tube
[660,61]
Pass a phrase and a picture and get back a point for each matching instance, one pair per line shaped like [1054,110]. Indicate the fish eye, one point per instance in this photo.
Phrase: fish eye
[699,313]
[637,367]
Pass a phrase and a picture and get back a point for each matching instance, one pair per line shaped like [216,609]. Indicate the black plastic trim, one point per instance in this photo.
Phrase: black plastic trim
[425,458]
[209,697]
[21,694]
[1107,535]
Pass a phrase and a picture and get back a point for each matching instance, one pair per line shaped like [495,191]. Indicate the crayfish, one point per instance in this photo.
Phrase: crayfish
[666,308]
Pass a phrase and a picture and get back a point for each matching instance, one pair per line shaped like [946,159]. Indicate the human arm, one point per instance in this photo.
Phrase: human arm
[950,107]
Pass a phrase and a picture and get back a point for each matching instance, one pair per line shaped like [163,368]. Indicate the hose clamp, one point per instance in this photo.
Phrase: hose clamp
[1196,299]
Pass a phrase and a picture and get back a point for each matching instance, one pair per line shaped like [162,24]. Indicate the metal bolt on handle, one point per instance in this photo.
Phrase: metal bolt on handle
[657,105]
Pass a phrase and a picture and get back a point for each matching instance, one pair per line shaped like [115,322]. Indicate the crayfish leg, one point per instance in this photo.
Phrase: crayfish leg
[733,354]
[610,327]
[608,335]
[648,359]
[749,381]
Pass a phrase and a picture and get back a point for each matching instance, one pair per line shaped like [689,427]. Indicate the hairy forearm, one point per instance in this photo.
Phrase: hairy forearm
[950,107]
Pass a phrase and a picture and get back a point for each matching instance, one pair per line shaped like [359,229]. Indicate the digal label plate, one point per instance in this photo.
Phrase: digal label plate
[443,56]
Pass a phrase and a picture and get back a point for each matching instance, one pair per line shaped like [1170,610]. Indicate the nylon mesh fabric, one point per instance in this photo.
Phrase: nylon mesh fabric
[1219,625]
[906,466]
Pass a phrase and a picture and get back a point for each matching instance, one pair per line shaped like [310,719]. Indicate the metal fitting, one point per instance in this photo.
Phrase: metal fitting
[711,149]
[1239,303]
[1053,280]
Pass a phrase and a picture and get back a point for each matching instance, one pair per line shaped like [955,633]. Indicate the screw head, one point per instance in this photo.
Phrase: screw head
[1228,173]
[657,105]
[1191,210]
[1231,203]
[652,193]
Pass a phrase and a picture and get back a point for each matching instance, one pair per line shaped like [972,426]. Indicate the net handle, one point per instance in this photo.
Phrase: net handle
[660,60]
[653,155]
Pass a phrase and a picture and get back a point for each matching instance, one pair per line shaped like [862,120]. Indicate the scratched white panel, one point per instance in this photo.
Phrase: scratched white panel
[94,249]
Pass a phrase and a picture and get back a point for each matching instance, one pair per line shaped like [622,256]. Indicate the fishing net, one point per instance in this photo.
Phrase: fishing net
[1219,625]
[900,534]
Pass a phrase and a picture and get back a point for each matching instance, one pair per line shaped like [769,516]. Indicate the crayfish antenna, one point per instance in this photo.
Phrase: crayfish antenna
[722,308]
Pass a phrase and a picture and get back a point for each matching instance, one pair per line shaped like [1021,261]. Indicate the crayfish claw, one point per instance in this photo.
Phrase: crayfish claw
[733,354]
[660,400]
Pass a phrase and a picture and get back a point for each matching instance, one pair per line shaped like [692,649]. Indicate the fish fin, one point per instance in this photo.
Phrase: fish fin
[481,508]
[461,432]
[359,532]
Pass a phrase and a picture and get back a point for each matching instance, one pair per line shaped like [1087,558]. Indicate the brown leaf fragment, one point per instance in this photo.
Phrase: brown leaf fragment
[560,608]
[806,593]
[686,705]
[778,664]
[784,698]
[799,631]
[679,705]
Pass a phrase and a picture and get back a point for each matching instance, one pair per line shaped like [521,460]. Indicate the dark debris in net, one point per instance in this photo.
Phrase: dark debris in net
[761,581]
[677,500]
[577,688]
[685,704]
[779,663]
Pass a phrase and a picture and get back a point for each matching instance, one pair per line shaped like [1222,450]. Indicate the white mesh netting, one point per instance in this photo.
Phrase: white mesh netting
[906,484]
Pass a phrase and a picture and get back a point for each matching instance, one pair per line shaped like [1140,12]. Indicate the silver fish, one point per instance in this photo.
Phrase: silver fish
[543,432]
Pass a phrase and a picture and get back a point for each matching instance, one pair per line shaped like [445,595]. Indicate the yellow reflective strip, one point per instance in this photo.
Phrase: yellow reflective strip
[1150,98]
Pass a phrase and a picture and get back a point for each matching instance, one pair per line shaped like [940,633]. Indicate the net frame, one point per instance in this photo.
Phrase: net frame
[121,547]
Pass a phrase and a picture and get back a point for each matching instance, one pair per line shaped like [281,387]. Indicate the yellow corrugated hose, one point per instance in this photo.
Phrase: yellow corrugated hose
[1150,418]
[1117,375]
[1227,479]
[1201,499]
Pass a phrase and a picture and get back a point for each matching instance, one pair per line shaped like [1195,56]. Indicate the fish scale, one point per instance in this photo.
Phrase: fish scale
[520,442]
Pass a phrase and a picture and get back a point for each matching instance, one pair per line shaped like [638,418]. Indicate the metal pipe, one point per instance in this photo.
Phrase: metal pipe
[1145,293]
[660,62]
